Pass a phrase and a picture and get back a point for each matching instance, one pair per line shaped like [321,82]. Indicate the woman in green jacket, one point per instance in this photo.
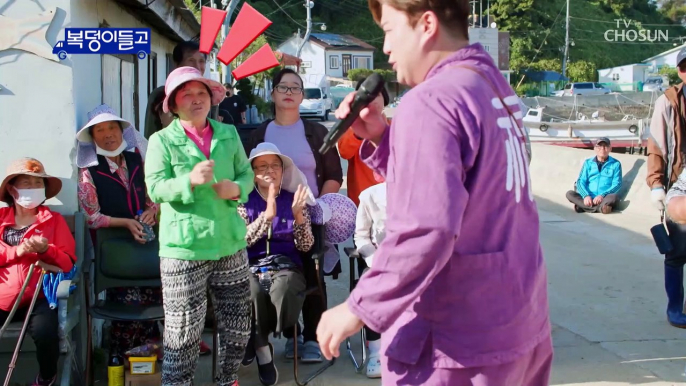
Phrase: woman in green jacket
[197,170]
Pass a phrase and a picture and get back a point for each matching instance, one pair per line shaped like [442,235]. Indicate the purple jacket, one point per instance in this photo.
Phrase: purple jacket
[461,266]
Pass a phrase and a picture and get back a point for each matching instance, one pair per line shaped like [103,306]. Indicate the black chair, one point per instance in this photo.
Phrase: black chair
[120,261]
[317,256]
[354,258]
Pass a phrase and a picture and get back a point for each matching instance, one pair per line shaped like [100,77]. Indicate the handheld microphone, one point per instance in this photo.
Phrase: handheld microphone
[367,92]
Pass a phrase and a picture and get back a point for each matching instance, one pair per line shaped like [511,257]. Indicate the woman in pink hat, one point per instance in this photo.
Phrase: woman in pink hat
[197,170]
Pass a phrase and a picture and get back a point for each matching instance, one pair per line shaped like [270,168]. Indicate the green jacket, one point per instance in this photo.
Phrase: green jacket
[194,223]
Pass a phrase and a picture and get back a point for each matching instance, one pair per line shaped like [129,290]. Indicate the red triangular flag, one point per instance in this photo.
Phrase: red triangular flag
[261,60]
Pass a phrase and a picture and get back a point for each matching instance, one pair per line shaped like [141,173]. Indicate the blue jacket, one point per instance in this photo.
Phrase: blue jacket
[593,182]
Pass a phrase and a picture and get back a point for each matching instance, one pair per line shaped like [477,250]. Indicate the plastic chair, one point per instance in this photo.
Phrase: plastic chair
[354,257]
[120,261]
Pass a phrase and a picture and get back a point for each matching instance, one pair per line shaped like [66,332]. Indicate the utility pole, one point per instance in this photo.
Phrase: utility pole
[308,4]
[481,14]
[564,59]
[230,7]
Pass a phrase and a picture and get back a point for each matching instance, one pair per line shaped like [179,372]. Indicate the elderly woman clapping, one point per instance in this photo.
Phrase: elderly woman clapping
[279,231]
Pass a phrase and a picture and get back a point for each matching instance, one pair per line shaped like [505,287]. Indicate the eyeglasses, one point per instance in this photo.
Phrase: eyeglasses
[264,168]
[285,89]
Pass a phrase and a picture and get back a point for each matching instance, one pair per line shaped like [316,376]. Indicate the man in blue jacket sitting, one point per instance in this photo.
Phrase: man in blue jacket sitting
[599,181]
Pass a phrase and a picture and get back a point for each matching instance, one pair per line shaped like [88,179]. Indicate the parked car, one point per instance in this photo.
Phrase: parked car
[655,83]
[585,88]
[315,103]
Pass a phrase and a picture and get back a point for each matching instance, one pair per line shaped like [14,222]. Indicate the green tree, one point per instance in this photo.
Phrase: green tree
[672,74]
[582,71]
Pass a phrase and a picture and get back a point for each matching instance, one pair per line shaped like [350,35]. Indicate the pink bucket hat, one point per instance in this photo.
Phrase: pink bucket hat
[186,74]
[338,214]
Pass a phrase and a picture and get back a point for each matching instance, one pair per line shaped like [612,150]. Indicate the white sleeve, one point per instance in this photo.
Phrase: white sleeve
[363,228]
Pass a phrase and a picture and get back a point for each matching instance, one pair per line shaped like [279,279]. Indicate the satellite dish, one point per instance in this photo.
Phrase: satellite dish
[493,25]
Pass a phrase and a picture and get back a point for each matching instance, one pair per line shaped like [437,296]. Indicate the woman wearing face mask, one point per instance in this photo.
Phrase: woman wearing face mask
[111,192]
[198,171]
[31,232]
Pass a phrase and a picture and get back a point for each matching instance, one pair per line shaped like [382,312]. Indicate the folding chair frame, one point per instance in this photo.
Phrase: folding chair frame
[319,288]
[353,257]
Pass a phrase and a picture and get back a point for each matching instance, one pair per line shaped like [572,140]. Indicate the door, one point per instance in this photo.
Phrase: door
[120,85]
[346,64]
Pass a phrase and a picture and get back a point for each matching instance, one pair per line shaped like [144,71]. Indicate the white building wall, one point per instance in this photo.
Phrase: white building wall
[43,103]
[488,37]
[36,105]
[89,93]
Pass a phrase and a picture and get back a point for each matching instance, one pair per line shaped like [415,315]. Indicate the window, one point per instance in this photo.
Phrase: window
[152,72]
[313,93]
[170,63]
[583,85]
[487,48]
[333,62]
[120,85]
[363,62]
[615,77]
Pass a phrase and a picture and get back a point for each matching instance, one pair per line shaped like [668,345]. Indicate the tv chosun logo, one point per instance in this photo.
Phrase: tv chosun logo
[632,35]
[104,41]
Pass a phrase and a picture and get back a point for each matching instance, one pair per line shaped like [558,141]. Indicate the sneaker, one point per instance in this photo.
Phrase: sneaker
[268,373]
[41,382]
[288,352]
[311,353]
[205,349]
[577,209]
[374,366]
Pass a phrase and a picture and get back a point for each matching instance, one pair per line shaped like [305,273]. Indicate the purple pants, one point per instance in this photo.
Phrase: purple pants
[532,369]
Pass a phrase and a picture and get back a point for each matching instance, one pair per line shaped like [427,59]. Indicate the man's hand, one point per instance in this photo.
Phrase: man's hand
[657,197]
[226,189]
[136,230]
[270,212]
[335,326]
[371,124]
[148,217]
[588,201]
[597,200]
[202,173]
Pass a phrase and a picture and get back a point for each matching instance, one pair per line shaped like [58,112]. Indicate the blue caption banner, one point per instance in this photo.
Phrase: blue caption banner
[122,41]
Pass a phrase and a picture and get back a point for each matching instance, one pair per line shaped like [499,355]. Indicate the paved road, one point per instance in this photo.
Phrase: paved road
[606,299]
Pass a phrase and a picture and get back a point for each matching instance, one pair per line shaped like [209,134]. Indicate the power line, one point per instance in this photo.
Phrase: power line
[542,43]
[289,16]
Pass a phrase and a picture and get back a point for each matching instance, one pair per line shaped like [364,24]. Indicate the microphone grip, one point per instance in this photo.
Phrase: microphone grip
[341,127]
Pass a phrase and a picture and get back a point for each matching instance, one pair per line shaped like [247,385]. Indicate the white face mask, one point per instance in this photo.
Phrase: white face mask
[29,198]
[114,153]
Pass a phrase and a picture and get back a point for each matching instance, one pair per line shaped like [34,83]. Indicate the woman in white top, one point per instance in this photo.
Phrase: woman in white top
[370,229]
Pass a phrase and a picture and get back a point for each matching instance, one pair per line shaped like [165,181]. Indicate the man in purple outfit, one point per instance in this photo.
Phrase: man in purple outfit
[459,288]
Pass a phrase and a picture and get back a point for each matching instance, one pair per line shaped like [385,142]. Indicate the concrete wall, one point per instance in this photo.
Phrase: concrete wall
[37,117]
[554,169]
[43,103]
